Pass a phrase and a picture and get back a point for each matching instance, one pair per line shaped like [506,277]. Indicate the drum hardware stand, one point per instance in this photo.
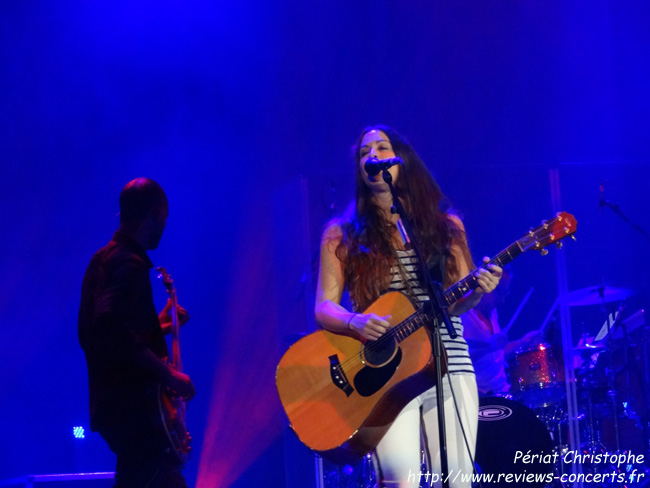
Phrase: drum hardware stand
[554,421]
[614,401]
[565,321]
[593,442]
[630,368]
[611,372]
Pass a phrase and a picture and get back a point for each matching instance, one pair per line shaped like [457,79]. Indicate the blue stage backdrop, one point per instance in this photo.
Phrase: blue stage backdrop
[245,112]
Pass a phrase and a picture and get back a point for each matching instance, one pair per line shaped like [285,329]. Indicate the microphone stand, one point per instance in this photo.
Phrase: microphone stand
[625,218]
[438,305]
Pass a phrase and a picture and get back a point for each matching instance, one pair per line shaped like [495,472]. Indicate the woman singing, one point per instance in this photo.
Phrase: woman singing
[366,255]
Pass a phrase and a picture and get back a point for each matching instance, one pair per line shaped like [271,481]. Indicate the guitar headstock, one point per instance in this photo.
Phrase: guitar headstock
[550,232]
[167,279]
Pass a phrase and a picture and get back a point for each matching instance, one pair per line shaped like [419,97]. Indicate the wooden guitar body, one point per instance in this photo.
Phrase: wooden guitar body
[342,395]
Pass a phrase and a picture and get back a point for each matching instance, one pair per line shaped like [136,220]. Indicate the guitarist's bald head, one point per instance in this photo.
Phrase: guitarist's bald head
[143,211]
[139,199]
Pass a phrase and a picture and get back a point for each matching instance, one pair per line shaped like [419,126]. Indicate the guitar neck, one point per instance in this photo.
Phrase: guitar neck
[453,293]
[459,289]
[550,232]
[176,345]
[409,325]
[175,359]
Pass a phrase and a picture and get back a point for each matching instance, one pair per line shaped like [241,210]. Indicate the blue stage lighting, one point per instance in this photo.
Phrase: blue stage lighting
[79,432]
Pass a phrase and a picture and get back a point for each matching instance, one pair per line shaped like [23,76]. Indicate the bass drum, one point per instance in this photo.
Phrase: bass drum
[505,428]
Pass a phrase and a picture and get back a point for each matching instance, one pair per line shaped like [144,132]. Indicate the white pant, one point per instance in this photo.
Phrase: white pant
[397,457]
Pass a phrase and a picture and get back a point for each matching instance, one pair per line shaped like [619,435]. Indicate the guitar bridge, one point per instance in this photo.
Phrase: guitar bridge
[339,378]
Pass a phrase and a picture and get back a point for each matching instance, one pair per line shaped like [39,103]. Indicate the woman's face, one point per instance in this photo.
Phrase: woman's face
[376,145]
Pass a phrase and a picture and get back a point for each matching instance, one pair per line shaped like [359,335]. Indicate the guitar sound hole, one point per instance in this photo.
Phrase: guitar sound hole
[378,353]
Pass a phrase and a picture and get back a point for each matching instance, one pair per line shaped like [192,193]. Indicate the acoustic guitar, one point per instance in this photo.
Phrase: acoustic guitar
[171,408]
[341,395]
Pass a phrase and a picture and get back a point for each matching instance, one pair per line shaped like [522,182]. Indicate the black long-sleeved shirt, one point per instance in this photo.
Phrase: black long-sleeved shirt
[117,320]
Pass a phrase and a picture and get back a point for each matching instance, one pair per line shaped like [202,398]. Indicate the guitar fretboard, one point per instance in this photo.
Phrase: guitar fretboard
[459,289]
[409,325]
[453,294]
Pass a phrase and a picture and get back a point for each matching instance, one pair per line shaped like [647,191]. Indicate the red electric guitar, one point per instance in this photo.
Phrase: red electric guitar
[171,409]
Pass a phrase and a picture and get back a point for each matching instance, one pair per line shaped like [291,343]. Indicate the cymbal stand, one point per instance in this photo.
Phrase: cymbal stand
[610,374]
[593,441]
[611,393]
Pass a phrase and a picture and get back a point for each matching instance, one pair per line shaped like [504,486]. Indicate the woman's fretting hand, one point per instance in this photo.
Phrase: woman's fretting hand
[369,326]
[488,279]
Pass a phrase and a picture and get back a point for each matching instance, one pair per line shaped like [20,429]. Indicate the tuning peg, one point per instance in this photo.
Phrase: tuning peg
[574,237]
[545,224]
[559,217]
[544,252]
[559,245]
[531,232]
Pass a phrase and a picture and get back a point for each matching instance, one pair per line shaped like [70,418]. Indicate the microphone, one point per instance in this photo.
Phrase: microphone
[374,166]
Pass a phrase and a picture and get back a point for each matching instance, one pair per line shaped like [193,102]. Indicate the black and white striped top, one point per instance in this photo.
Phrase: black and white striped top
[457,349]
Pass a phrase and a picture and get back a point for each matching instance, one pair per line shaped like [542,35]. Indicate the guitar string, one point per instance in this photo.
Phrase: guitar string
[501,258]
[389,336]
[378,344]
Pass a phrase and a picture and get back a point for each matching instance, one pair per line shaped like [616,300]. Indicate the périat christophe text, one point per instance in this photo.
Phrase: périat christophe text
[623,461]
[570,457]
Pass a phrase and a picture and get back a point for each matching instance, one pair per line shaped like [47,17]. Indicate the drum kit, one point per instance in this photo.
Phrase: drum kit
[612,374]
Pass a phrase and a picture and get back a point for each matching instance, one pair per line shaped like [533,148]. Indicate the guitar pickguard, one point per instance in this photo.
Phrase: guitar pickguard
[369,381]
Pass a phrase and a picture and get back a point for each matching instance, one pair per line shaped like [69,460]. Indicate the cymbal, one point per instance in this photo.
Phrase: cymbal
[632,323]
[597,295]
[618,330]
[588,349]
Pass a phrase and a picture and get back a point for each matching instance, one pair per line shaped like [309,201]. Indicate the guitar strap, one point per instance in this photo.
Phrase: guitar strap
[437,269]
[438,266]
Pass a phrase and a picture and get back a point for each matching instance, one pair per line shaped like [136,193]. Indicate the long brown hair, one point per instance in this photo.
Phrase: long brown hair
[366,248]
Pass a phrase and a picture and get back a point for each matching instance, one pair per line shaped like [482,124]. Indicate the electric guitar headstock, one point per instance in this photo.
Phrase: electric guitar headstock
[166,278]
